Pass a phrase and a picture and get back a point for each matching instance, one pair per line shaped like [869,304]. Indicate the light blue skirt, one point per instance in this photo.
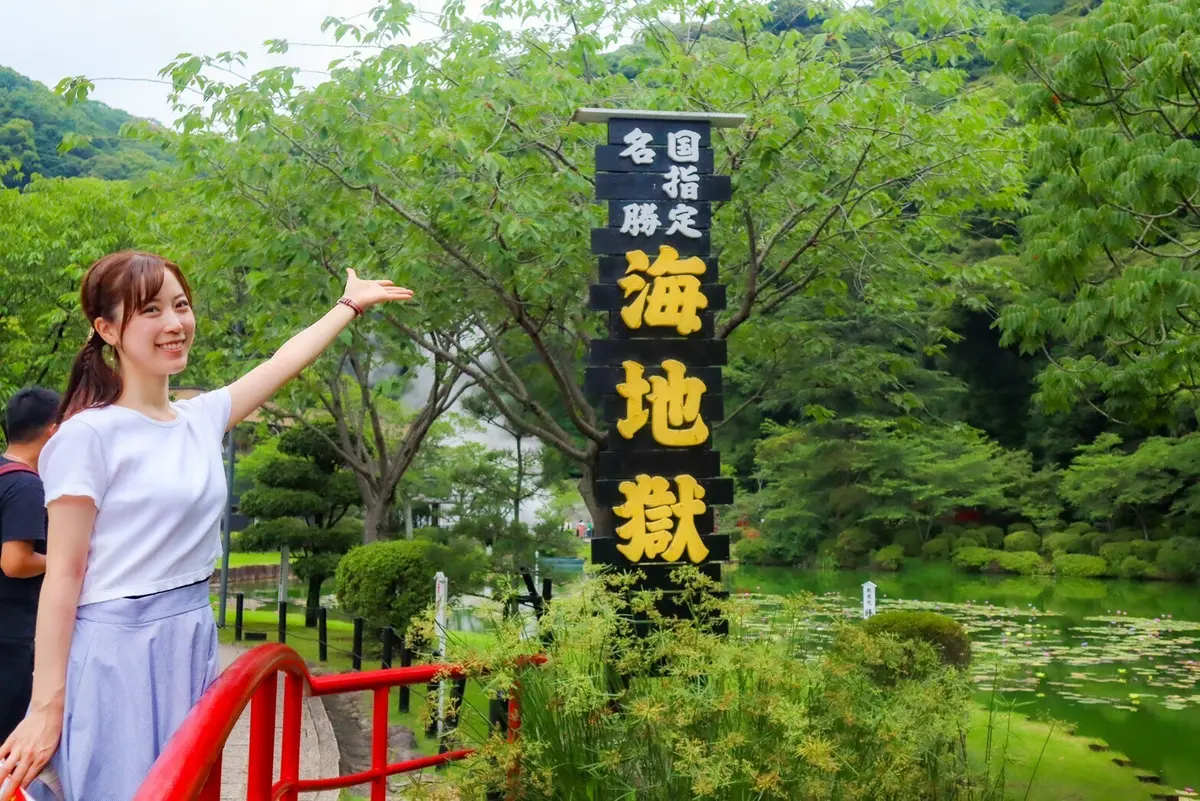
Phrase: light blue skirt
[137,667]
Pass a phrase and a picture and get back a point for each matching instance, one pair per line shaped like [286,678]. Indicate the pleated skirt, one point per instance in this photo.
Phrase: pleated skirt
[137,667]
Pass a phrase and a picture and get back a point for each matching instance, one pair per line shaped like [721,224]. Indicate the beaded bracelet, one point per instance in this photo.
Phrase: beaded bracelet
[358,310]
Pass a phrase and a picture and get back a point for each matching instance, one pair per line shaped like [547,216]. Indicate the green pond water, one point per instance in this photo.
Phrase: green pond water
[1120,660]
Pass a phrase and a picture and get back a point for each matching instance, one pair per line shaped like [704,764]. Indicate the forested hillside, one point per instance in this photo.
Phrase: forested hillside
[33,121]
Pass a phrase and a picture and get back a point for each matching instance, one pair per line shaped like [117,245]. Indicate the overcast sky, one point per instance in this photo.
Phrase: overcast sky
[52,39]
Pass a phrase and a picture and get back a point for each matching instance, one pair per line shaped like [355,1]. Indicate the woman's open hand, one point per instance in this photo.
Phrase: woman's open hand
[29,748]
[368,293]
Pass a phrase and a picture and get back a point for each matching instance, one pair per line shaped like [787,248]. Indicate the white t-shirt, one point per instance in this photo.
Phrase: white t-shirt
[159,489]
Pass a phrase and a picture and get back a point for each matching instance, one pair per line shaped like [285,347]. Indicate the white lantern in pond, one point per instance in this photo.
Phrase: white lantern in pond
[868,599]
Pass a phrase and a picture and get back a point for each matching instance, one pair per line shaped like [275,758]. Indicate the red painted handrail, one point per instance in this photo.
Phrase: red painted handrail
[189,769]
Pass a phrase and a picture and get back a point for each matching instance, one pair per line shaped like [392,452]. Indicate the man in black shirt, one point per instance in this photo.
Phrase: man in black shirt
[29,422]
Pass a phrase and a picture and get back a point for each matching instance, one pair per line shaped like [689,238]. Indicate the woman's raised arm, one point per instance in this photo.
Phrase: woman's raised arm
[257,386]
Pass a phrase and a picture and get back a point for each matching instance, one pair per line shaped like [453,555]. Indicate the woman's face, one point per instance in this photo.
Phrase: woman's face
[159,335]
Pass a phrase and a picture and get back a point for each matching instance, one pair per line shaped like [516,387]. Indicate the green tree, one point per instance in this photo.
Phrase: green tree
[1112,237]
[51,231]
[458,170]
[300,500]
[1106,484]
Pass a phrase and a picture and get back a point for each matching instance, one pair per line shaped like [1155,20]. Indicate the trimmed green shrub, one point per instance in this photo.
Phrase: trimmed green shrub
[1134,568]
[989,536]
[853,547]
[977,560]
[1080,565]
[1146,551]
[1094,540]
[910,541]
[944,633]
[1179,558]
[387,583]
[937,548]
[1127,535]
[1016,527]
[1079,528]
[1025,563]
[754,551]
[966,541]
[888,558]
[1062,542]
[1023,541]
[1116,552]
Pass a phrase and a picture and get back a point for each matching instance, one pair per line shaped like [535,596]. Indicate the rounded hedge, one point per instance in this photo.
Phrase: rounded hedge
[1095,540]
[1017,527]
[1063,542]
[944,633]
[853,547]
[937,548]
[1080,565]
[977,560]
[1023,541]
[1179,558]
[752,551]
[1134,568]
[387,583]
[1025,563]
[967,541]
[1147,551]
[1116,552]
[1079,528]
[888,558]
[989,536]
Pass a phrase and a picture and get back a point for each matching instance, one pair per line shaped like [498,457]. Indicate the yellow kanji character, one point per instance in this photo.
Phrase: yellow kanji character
[634,389]
[674,403]
[670,298]
[647,507]
[689,507]
[651,509]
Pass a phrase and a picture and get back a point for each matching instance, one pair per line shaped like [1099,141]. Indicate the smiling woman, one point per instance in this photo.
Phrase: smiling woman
[135,488]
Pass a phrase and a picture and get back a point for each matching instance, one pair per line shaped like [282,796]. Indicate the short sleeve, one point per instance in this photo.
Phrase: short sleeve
[22,512]
[72,463]
[212,409]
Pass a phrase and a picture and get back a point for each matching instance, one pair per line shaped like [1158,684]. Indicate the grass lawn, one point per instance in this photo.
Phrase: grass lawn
[240,559]
[1068,769]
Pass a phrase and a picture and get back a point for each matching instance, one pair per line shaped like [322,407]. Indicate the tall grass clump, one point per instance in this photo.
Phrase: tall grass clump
[686,712]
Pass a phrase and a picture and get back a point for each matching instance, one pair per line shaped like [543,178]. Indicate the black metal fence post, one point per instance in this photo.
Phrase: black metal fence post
[405,661]
[388,637]
[358,646]
[237,620]
[283,621]
[323,634]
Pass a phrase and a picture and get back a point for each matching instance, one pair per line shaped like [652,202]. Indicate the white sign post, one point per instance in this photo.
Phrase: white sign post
[868,599]
[441,601]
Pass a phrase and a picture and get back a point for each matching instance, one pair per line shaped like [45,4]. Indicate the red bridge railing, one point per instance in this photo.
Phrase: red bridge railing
[190,767]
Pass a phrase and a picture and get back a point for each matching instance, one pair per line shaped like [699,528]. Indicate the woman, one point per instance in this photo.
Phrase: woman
[135,490]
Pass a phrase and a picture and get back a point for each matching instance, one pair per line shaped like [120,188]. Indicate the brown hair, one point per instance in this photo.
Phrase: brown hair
[119,282]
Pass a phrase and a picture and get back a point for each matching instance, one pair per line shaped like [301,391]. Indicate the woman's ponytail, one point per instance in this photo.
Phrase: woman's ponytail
[114,288]
[93,381]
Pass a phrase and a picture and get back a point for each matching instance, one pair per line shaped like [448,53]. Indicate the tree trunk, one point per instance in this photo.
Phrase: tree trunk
[375,517]
[520,478]
[314,601]
[408,523]
[602,516]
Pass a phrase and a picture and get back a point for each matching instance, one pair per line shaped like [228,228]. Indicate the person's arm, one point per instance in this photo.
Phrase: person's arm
[18,560]
[30,746]
[256,387]
[23,521]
